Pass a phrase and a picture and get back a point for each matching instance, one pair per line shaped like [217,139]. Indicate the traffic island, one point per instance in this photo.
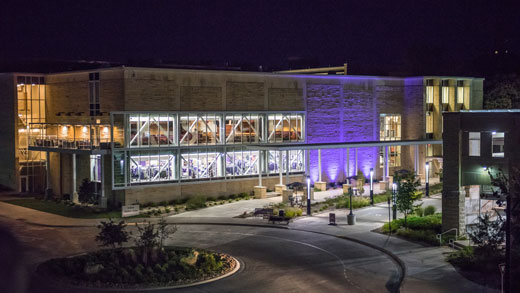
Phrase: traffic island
[132,269]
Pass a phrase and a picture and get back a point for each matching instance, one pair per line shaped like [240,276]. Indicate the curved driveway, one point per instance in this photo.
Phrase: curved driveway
[279,260]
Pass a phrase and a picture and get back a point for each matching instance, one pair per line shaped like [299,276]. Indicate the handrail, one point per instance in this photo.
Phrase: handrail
[439,236]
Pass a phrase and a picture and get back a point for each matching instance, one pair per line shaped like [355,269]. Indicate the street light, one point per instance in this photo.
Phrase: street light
[308,195]
[394,195]
[372,186]
[427,179]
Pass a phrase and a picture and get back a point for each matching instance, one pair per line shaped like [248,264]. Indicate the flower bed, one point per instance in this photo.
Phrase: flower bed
[134,268]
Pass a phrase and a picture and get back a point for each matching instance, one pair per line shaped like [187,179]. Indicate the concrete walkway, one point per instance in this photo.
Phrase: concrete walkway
[426,269]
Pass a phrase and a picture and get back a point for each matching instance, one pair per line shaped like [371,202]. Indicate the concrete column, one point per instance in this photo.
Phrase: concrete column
[75,196]
[319,165]
[355,164]
[416,160]
[260,168]
[48,187]
[385,164]
[280,167]
[103,195]
[280,187]
[322,186]
[348,163]
[287,165]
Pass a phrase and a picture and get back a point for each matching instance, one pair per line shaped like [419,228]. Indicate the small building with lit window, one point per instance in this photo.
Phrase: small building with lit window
[155,134]
[475,143]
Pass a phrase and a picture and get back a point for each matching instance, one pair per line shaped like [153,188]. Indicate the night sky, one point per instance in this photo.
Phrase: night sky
[374,37]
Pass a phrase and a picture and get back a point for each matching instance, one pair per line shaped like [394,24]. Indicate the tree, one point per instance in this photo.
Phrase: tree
[165,232]
[502,92]
[407,183]
[510,187]
[112,234]
[360,182]
[489,235]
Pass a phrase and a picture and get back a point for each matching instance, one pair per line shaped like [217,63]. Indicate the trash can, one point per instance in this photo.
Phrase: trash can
[281,213]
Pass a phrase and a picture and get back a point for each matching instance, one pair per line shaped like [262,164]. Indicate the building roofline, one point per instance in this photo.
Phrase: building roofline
[252,73]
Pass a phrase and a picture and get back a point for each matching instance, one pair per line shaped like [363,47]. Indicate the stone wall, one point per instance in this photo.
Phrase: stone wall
[209,189]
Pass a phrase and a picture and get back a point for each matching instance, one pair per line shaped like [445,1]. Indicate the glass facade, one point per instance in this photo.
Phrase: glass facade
[390,129]
[173,147]
[31,109]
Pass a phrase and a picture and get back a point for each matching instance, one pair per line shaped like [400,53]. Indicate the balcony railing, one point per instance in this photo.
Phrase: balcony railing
[69,136]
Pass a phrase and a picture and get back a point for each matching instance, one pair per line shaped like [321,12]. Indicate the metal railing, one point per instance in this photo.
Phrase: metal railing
[439,236]
[69,136]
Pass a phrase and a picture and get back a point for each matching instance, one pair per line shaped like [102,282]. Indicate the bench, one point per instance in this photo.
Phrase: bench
[263,212]
[274,219]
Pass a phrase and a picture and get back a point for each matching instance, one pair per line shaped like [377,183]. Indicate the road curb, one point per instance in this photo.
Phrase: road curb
[400,262]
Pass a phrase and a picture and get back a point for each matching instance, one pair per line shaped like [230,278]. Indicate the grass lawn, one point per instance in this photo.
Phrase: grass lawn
[61,209]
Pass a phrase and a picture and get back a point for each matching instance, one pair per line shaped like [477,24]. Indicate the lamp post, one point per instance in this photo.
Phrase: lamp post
[351,218]
[372,186]
[427,167]
[308,195]
[394,194]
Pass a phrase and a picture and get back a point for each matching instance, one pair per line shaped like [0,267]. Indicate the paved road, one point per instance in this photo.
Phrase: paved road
[273,260]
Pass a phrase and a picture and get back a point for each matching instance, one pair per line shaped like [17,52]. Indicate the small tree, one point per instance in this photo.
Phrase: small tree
[147,239]
[165,232]
[112,234]
[489,235]
[360,182]
[407,184]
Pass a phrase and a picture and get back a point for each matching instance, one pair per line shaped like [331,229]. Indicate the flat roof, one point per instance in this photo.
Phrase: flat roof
[340,145]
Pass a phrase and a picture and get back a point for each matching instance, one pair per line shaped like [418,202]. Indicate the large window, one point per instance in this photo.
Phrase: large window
[460,92]
[241,162]
[151,130]
[244,128]
[429,123]
[474,144]
[31,109]
[285,127]
[296,163]
[445,91]
[429,91]
[156,147]
[390,129]
[201,164]
[93,93]
[151,166]
[497,147]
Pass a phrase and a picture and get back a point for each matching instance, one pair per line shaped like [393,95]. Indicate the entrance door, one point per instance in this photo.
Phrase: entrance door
[24,184]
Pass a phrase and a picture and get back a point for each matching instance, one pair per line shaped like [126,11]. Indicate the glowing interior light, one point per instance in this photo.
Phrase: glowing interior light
[484,168]
[84,129]
[493,132]
[64,129]
[105,129]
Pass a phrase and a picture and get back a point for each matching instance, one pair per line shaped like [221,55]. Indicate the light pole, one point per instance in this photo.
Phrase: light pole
[308,195]
[389,218]
[394,195]
[351,218]
[372,186]
[427,167]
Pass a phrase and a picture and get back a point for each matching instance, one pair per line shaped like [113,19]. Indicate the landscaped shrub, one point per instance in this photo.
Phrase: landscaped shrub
[429,210]
[419,211]
[432,223]
[427,236]
[293,212]
[112,234]
[196,202]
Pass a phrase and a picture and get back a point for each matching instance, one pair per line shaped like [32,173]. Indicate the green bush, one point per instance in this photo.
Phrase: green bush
[293,212]
[429,210]
[196,202]
[419,211]
[431,222]
[428,236]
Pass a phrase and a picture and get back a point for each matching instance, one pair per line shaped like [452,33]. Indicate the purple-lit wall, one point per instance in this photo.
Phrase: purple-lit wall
[348,109]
